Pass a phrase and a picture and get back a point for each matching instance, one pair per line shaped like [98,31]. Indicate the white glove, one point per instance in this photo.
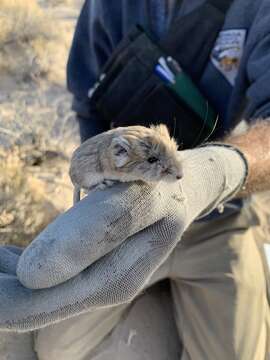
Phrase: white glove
[103,251]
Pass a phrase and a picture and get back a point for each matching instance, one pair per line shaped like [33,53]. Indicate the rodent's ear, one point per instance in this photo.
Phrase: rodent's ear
[161,129]
[121,148]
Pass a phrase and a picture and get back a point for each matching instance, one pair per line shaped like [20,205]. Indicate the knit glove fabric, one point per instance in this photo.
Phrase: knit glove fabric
[103,251]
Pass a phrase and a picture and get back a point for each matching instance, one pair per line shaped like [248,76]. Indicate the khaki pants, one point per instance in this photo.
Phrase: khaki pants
[215,309]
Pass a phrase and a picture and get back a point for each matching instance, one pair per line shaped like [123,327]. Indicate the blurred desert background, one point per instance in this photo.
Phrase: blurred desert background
[37,128]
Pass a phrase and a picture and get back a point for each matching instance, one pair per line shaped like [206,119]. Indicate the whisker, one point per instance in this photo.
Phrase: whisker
[174,126]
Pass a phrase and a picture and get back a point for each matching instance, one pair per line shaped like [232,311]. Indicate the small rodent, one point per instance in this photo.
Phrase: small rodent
[125,154]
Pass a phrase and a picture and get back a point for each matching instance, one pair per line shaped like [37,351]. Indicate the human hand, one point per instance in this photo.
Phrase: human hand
[103,251]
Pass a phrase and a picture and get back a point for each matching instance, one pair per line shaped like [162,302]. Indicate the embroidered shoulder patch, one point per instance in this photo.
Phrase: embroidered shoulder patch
[228,51]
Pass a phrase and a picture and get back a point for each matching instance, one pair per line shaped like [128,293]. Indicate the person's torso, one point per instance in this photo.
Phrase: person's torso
[223,81]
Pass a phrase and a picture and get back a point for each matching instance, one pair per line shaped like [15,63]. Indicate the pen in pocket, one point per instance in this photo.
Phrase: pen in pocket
[164,75]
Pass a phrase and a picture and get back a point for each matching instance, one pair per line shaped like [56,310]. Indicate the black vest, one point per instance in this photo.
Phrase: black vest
[129,92]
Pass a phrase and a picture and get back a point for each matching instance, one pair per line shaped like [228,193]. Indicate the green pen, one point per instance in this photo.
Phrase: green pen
[185,89]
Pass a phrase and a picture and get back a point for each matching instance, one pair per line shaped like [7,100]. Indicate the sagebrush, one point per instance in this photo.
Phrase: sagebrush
[33,42]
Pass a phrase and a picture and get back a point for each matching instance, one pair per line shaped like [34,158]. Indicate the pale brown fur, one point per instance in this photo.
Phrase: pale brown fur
[126,154]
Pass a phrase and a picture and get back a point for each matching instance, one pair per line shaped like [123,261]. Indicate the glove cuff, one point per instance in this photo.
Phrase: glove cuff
[240,153]
[217,172]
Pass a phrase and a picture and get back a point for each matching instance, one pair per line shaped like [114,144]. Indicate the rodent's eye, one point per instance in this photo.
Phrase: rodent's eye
[152,159]
[121,151]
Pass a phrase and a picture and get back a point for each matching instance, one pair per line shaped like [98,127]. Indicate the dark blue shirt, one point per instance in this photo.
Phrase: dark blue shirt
[238,68]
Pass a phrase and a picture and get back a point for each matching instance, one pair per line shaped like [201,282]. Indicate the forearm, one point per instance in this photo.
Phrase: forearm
[255,145]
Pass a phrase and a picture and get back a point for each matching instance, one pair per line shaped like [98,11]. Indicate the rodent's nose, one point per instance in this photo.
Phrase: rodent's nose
[178,177]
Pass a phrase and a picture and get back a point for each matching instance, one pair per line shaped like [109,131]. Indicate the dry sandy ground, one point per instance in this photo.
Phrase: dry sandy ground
[37,128]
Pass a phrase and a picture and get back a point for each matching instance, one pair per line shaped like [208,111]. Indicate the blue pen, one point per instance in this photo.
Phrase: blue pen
[165,66]
[164,75]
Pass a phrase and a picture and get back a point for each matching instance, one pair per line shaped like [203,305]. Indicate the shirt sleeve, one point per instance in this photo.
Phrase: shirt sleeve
[91,48]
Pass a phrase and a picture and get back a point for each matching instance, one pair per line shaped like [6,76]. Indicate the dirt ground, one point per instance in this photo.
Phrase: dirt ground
[38,131]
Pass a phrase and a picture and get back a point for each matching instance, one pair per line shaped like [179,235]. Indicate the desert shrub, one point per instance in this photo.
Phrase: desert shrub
[33,42]
[60,2]
[33,190]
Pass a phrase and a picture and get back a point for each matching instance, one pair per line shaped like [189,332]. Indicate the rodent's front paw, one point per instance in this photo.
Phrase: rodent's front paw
[104,184]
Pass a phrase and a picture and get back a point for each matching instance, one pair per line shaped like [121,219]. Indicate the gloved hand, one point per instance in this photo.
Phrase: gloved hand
[103,251]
